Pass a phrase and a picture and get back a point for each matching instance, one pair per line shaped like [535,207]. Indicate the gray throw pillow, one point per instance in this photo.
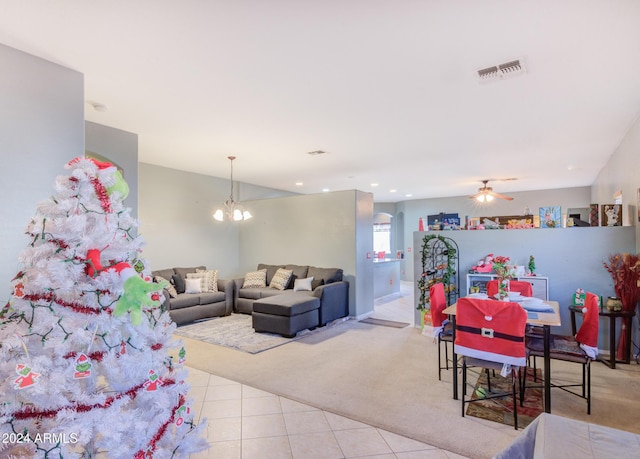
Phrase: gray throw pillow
[178,282]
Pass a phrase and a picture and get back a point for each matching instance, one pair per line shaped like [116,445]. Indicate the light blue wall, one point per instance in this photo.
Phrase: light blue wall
[176,221]
[175,216]
[329,230]
[364,296]
[121,148]
[41,129]
[570,257]
[409,212]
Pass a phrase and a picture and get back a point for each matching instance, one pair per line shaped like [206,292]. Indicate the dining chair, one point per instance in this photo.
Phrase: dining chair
[582,349]
[490,335]
[523,287]
[442,328]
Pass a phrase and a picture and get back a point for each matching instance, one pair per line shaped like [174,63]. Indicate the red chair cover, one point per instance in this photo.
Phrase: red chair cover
[491,330]
[588,333]
[523,287]
[438,304]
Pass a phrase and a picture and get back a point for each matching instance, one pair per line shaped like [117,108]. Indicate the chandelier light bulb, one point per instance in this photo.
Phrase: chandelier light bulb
[230,210]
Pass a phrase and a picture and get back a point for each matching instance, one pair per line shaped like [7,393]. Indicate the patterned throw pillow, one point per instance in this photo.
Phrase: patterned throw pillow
[281,279]
[201,277]
[170,288]
[211,279]
[255,279]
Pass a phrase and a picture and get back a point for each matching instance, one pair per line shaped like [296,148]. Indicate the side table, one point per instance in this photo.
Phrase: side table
[612,316]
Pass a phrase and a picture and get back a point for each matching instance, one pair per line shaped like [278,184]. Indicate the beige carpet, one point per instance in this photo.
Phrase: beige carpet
[388,377]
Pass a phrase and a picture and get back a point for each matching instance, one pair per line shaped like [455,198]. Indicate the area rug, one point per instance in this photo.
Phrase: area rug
[236,332]
[501,409]
[384,323]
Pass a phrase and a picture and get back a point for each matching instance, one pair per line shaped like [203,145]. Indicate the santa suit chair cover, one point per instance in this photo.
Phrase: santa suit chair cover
[522,287]
[438,303]
[491,330]
[581,349]
[442,330]
[490,334]
[587,335]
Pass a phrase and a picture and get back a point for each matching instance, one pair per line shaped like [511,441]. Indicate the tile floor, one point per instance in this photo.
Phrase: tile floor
[248,423]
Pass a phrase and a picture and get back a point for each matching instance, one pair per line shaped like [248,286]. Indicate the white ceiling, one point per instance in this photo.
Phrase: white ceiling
[387,88]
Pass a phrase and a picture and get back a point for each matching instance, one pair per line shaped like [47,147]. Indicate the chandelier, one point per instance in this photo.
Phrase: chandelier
[231,210]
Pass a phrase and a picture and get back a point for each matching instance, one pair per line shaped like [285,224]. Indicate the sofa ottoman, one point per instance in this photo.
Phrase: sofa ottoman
[286,314]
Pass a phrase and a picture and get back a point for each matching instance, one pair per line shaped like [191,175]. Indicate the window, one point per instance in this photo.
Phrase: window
[382,237]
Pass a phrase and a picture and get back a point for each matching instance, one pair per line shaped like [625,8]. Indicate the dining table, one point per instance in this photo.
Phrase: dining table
[545,320]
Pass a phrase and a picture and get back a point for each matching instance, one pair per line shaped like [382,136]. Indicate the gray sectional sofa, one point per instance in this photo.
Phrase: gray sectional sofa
[320,297]
[327,286]
[188,307]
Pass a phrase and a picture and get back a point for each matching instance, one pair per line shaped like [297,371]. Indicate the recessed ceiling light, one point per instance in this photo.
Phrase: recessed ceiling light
[408,195]
[299,183]
[374,184]
[392,190]
[325,190]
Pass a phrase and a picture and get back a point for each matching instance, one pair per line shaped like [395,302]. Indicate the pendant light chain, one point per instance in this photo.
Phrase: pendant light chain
[230,210]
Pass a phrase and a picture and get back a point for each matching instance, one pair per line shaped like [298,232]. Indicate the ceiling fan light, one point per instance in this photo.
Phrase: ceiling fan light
[488,198]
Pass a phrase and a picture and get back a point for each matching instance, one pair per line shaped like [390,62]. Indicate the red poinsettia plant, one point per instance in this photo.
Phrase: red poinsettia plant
[502,267]
[625,272]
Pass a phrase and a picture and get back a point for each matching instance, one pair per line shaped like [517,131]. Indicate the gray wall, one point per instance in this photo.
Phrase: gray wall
[325,230]
[408,212]
[622,173]
[364,305]
[41,129]
[176,221]
[570,257]
[121,148]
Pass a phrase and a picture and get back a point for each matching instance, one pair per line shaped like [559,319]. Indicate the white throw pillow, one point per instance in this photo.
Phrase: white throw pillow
[281,278]
[255,279]
[192,285]
[302,285]
[202,277]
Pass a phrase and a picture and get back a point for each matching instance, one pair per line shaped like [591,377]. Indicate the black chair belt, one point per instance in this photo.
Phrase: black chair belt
[490,333]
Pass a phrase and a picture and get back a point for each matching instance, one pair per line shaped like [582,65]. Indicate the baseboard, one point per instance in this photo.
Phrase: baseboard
[365,315]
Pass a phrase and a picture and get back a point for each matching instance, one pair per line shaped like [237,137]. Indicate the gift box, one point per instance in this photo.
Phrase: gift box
[580,297]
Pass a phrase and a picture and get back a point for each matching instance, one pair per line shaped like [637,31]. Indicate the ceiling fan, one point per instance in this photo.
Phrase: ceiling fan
[486,194]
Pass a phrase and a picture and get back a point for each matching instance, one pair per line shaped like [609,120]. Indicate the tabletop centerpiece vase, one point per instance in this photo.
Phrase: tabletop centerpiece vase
[505,272]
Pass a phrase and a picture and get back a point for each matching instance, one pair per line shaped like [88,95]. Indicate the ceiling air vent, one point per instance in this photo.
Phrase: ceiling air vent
[497,72]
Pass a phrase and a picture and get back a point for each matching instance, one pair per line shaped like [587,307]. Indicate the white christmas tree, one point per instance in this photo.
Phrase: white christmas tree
[88,364]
